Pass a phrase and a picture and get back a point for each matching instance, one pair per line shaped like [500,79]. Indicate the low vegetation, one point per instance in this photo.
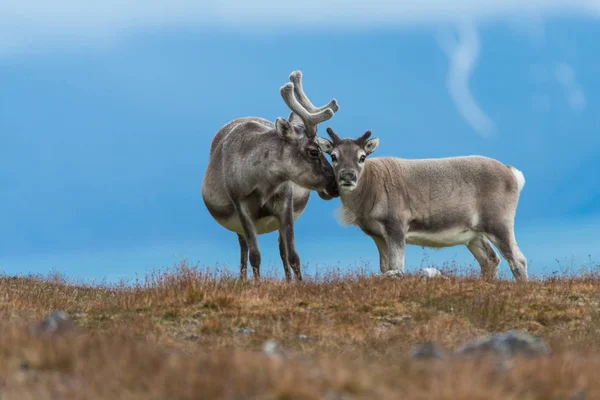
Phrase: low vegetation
[187,333]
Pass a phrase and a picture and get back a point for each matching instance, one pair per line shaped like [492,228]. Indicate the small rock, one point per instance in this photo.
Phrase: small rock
[508,343]
[272,349]
[244,331]
[330,395]
[578,396]
[430,351]
[430,273]
[393,273]
[306,338]
[197,315]
[192,337]
[396,320]
[57,322]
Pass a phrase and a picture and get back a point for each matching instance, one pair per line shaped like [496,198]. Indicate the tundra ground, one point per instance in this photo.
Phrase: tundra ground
[189,334]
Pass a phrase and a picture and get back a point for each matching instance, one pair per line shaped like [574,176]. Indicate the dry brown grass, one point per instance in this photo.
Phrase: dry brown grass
[185,334]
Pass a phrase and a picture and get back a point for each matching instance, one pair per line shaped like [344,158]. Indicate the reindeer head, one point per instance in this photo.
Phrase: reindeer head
[302,152]
[348,157]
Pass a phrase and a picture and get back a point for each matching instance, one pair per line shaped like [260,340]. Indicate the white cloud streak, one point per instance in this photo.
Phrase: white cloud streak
[99,12]
[24,22]
[462,56]
[565,75]
[34,25]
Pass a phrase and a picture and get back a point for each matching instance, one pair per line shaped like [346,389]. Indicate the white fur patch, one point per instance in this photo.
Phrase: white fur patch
[447,238]
[266,225]
[346,188]
[233,224]
[263,225]
[520,177]
[344,216]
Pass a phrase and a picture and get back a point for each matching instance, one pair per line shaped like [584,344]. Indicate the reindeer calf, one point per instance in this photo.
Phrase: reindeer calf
[435,203]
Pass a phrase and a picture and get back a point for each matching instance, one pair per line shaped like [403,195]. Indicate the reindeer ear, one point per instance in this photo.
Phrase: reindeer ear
[371,145]
[285,130]
[295,119]
[324,144]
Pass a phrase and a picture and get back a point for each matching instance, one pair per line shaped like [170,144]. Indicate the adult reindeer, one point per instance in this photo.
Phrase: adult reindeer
[260,174]
[429,202]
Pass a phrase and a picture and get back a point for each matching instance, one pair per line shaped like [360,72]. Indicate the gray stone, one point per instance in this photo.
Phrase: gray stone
[428,351]
[244,331]
[578,396]
[508,343]
[272,349]
[57,322]
[331,395]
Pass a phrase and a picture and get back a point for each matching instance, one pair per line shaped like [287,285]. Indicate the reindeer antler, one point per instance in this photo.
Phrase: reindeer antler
[362,139]
[310,119]
[336,139]
[296,79]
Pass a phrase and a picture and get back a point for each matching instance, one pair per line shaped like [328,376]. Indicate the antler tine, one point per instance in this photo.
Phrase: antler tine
[296,79]
[336,139]
[322,116]
[311,120]
[287,92]
[362,139]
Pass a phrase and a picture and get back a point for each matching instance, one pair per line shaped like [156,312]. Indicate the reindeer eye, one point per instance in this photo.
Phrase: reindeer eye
[313,153]
[333,158]
[362,158]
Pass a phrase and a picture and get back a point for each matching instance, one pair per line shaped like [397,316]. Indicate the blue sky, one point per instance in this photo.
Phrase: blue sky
[107,111]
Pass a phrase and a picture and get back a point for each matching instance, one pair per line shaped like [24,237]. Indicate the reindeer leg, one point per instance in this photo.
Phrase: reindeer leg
[250,235]
[293,257]
[396,242]
[284,255]
[486,256]
[243,257]
[286,232]
[383,253]
[503,237]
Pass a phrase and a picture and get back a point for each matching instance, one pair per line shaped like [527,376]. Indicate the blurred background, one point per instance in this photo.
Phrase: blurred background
[107,110]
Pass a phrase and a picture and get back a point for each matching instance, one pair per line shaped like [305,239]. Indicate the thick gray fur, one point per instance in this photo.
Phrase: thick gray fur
[437,203]
[260,174]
